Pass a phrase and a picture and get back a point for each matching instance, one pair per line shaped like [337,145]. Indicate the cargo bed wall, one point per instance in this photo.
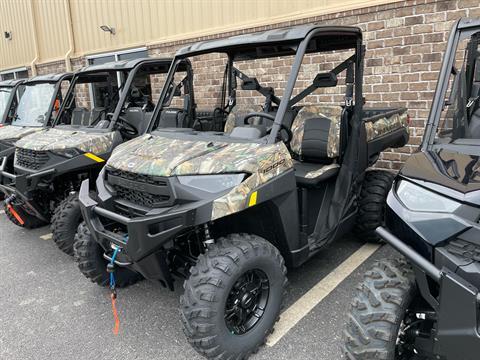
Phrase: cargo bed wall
[385,128]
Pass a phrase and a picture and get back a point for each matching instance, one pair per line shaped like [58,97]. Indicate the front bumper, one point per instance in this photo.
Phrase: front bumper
[143,240]
[20,182]
[6,164]
[457,304]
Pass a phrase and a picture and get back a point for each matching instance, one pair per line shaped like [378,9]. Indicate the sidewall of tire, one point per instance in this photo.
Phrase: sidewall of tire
[65,222]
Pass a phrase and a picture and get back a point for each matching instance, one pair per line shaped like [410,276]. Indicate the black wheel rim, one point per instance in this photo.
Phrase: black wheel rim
[247,301]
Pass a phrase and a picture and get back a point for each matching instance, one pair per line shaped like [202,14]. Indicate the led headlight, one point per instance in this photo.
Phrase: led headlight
[417,198]
[212,183]
[68,153]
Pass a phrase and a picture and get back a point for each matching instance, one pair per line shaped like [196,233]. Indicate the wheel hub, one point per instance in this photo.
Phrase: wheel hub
[247,301]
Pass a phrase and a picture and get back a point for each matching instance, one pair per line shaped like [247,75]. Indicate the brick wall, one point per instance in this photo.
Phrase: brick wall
[405,44]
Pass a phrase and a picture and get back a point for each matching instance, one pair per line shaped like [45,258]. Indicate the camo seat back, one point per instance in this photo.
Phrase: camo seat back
[316,133]
[237,115]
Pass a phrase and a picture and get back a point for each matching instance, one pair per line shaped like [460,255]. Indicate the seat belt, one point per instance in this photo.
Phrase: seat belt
[472,57]
[349,82]
[346,65]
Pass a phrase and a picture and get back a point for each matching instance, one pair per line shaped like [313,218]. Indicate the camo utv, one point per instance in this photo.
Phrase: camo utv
[227,210]
[105,105]
[28,106]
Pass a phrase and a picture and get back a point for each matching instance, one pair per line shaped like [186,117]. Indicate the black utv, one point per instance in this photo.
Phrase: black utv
[105,105]
[227,210]
[426,304]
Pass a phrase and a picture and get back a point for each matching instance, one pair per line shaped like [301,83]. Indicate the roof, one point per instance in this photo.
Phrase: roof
[467,23]
[124,64]
[246,46]
[11,83]
[49,78]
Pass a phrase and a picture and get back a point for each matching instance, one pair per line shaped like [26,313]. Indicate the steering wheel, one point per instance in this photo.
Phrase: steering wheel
[272,118]
[126,127]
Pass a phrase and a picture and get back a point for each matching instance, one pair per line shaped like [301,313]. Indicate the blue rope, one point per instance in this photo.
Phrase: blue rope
[112,275]
[112,262]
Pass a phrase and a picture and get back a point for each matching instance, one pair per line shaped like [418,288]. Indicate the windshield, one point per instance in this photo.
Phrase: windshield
[4,97]
[460,118]
[33,105]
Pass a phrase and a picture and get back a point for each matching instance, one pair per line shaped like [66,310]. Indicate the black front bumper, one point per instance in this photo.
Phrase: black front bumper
[144,240]
[19,186]
[457,305]
[20,183]
[6,164]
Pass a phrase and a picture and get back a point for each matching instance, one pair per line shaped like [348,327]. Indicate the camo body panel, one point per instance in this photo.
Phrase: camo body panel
[13,133]
[58,139]
[161,156]
[332,112]
[237,114]
[385,125]
[321,171]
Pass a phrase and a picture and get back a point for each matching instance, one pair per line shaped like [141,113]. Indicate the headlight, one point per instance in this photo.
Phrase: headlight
[212,183]
[68,153]
[419,199]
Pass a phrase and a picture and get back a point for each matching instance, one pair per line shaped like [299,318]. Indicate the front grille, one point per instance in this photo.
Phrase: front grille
[30,159]
[149,191]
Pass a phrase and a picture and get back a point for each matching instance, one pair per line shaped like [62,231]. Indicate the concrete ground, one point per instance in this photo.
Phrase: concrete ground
[48,310]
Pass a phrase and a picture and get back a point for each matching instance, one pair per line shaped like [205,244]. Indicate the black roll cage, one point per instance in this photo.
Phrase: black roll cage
[132,72]
[299,47]
[462,29]
[13,93]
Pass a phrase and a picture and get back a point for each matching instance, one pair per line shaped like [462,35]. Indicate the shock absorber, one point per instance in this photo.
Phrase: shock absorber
[208,239]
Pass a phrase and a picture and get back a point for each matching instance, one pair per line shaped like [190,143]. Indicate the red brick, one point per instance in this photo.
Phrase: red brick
[376,25]
[413,20]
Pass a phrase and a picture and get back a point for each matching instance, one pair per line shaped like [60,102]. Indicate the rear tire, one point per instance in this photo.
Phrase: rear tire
[88,255]
[377,311]
[238,266]
[29,221]
[65,220]
[372,204]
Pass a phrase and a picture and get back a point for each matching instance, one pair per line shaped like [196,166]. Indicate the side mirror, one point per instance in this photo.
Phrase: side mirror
[328,79]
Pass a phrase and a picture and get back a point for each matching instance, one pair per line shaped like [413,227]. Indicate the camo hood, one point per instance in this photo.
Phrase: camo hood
[13,133]
[58,139]
[161,156]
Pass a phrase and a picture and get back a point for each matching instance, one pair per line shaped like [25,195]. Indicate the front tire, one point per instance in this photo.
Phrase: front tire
[65,220]
[88,255]
[239,276]
[378,310]
[26,220]
[372,204]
